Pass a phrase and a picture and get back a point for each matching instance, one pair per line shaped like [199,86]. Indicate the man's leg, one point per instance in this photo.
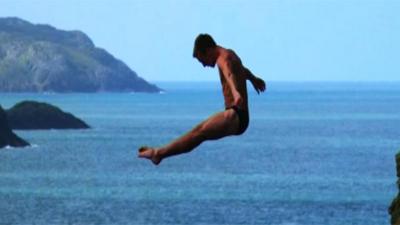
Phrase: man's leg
[217,126]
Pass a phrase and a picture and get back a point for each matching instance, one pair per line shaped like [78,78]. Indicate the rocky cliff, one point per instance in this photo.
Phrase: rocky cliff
[41,58]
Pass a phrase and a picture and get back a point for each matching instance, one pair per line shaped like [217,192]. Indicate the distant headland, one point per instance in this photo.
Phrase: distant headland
[41,58]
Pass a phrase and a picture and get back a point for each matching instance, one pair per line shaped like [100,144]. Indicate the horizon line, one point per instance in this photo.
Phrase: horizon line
[283,81]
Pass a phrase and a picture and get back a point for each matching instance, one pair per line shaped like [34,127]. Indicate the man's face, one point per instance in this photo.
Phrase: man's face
[206,59]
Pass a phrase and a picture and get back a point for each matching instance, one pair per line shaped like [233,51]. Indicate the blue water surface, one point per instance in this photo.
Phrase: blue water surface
[314,153]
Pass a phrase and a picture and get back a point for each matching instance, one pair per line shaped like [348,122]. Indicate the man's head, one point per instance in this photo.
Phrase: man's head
[204,50]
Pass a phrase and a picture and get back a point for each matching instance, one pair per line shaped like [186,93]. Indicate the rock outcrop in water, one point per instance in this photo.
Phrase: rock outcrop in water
[29,115]
[7,137]
[394,209]
[41,58]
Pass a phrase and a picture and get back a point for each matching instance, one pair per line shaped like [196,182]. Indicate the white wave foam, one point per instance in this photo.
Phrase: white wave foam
[29,146]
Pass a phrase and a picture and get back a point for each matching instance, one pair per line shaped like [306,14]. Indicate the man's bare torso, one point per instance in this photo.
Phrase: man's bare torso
[238,76]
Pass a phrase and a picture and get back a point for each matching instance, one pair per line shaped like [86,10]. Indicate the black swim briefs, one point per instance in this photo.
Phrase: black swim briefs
[243,119]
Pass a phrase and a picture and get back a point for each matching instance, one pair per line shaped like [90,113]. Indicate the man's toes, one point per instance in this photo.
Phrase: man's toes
[146,152]
[143,148]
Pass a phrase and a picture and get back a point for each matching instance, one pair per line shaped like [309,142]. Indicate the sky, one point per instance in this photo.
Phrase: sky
[278,40]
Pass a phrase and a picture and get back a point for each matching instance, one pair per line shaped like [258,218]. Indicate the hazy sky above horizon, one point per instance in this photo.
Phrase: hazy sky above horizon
[299,40]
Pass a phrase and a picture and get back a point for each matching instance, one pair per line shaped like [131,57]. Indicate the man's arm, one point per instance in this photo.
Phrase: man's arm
[249,75]
[258,83]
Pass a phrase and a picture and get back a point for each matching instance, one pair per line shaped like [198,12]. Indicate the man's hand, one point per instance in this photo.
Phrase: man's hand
[258,84]
[237,100]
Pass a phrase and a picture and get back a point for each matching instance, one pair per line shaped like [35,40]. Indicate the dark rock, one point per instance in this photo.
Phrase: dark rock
[7,137]
[394,209]
[29,115]
[41,58]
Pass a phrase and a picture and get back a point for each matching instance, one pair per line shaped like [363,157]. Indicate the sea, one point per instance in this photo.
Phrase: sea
[315,153]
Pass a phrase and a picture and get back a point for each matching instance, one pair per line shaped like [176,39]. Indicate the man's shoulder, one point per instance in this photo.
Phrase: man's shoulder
[229,59]
[230,53]
[229,56]
[232,59]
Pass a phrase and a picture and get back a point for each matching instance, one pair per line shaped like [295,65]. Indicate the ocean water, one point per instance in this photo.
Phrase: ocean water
[314,153]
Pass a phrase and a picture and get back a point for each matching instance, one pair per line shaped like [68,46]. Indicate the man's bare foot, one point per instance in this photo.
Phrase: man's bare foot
[149,153]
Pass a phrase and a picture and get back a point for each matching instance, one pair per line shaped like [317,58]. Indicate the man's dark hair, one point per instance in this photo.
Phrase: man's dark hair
[202,42]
